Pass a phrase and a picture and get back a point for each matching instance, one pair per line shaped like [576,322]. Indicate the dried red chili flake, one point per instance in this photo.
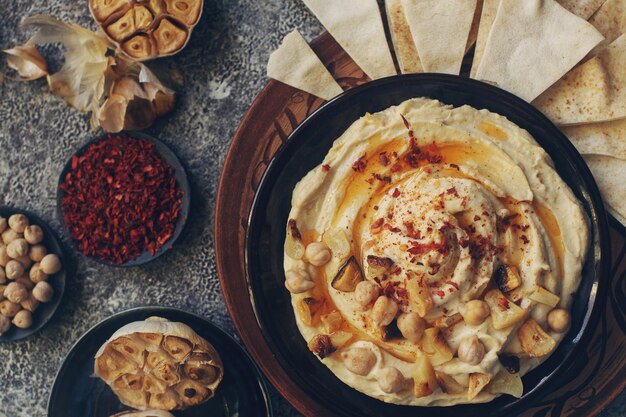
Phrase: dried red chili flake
[382,158]
[360,164]
[325,168]
[121,199]
[396,193]
[396,167]
[440,293]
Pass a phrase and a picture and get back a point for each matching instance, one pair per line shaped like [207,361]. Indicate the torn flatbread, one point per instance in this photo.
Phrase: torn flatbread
[358,27]
[473,33]
[582,8]
[526,52]
[487,16]
[592,92]
[609,174]
[440,30]
[294,63]
[608,138]
[610,20]
[403,45]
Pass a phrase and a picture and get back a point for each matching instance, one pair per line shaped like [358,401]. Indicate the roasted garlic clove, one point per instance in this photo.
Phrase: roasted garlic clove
[543,296]
[169,37]
[506,383]
[535,341]
[138,47]
[477,381]
[420,299]
[504,313]
[436,347]
[348,277]
[424,377]
[177,347]
[191,392]
[102,9]
[448,384]
[187,11]
[507,278]
[130,349]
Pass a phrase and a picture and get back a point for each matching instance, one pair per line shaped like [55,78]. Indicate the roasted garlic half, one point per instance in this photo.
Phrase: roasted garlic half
[147,29]
[158,364]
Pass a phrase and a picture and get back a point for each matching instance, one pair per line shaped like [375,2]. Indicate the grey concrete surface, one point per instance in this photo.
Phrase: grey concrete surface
[223,68]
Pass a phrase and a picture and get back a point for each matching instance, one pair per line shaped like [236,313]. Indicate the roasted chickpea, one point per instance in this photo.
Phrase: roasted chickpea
[36,274]
[298,280]
[4,256]
[391,380]
[43,292]
[15,292]
[384,311]
[471,350]
[475,312]
[18,222]
[37,253]
[5,325]
[14,269]
[558,320]
[3,224]
[412,326]
[317,253]
[50,264]
[366,292]
[359,360]
[30,304]
[9,236]
[9,309]
[23,319]
[33,234]
[17,248]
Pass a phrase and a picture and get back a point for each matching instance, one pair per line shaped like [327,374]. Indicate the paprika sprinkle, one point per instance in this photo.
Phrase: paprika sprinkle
[120,199]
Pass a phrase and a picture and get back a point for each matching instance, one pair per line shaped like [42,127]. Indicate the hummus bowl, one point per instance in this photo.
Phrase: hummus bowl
[443,246]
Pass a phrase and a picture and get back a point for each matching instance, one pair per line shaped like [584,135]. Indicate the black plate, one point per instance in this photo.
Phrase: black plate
[77,393]
[306,149]
[181,178]
[45,311]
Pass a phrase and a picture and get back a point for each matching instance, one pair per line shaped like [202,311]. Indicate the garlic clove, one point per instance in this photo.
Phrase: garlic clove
[27,61]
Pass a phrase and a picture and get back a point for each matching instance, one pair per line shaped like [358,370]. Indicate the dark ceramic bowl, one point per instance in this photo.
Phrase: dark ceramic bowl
[45,311]
[77,393]
[307,147]
[181,178]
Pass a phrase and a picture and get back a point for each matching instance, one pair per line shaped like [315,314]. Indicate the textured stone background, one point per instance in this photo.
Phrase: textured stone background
[223,68]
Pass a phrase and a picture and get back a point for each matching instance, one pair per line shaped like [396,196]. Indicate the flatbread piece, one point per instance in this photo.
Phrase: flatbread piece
[403,44]
[440,30]
[582,8]
[610,20]
[294,63]
[358,27]
[609,174]
[608,138]
[487,16]
[592,92]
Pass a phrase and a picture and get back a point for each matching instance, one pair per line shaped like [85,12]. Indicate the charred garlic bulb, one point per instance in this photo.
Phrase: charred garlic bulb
[471,351]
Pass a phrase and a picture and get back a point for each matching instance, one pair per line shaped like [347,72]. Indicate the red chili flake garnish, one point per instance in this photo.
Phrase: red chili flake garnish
[440,293]
[396,193]
[325,168]
[476,217]
[427,170]
[377,226]
[396,167]
[463,242]
[392,229]
[524,239]
[379,177]
[455,166]
[406,122]
[390,216]
[503,303]
[382,158]
[393,290]
[451,190]
[360,164]
[452,283]
[434,268]
[485,213]
[293,229]
[375,208]
[120,199]
[370,180]
[411,232]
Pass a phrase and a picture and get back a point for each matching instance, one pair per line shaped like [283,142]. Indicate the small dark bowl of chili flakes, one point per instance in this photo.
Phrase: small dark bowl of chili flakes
[123,199]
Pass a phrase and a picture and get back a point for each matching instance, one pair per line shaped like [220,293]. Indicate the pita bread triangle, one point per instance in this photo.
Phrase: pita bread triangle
[440,30]
[526,52]
[294,63]
[582,8]
[595,91]
[610,20]
[609,174]
[608,138]
[358,27]
[403,44]
[487,16]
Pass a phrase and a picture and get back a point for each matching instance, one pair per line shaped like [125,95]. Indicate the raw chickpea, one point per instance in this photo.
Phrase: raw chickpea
[297,281]
[18,222]
[9,309]
[317,253]
[43,292]
[359,360]
[3,276]
[475,312]
[17,248]
[23,319]
[4,256]
[26,282]
[471,350]
[558,320]
[366,292]
[412,326]
[15,292]
[14,269]
[37,253]
[9,236]
[24,260]
[30,304]
[391,380]
[3,224]
[36,274]
[33,234]
[384,311]
[50,264]
[5,325]
[2,288]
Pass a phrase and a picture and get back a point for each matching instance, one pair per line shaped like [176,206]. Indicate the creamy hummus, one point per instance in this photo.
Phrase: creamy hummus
[433,255]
